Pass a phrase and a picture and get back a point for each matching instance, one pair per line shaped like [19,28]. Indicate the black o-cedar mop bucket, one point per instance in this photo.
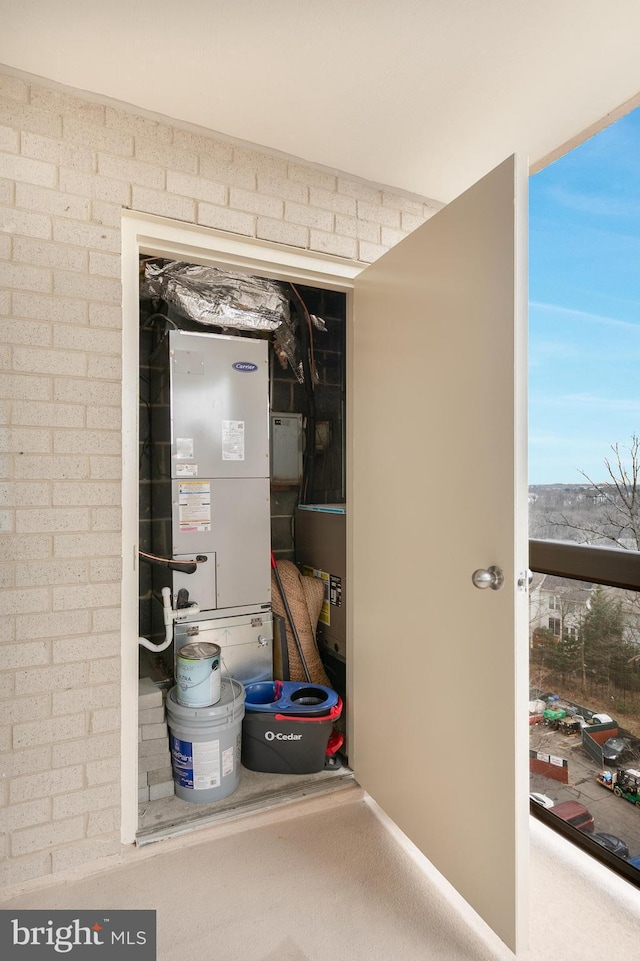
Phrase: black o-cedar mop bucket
[289,734]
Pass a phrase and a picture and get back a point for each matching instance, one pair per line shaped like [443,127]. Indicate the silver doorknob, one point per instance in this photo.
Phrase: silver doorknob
[492,577]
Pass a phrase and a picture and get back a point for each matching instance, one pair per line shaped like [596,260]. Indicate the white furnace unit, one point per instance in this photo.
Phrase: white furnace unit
[210,492]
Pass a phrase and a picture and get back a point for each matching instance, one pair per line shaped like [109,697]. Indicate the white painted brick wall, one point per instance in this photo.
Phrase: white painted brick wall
[104,670]
[29,654]
[105,719]
[47,836]
[48,730]
[38,681]
[90,749]
[23,762]
[95,848]
[67,168]
[105,771]
[51,625]
[309,216]
[105,822]
[49,784]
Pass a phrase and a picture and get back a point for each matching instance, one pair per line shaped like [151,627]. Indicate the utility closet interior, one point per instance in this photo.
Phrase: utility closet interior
[242,516]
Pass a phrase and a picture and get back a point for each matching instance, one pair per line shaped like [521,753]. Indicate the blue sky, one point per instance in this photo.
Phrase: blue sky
[584,306]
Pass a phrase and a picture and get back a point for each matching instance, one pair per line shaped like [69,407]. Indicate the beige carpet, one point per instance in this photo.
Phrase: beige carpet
[333,884]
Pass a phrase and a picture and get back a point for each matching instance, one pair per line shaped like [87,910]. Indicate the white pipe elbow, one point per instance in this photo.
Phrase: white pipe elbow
[150,646]
[168,626]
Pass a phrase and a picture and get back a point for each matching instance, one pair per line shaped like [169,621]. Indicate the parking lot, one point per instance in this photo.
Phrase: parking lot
[612,815]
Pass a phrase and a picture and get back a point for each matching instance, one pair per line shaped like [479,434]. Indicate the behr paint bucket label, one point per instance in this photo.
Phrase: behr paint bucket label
[198,674]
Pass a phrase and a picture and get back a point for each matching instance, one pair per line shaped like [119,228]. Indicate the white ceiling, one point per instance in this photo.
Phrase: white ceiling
[424,95]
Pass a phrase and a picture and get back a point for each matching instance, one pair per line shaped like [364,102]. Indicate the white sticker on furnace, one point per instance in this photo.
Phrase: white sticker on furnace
[233,440]
[184,448]
[186,470]
[194,506]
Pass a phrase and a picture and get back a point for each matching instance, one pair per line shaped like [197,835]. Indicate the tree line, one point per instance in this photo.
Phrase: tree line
[598,650]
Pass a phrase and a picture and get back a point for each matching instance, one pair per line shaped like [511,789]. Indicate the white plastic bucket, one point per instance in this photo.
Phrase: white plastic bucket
[205,745]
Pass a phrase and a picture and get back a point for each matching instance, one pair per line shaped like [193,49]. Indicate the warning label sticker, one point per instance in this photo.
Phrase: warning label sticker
[194,506]
[335,591]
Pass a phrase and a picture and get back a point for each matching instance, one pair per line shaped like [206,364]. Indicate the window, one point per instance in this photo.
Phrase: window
[584,495]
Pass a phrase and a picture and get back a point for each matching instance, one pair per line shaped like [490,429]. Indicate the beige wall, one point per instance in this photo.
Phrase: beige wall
[67,168]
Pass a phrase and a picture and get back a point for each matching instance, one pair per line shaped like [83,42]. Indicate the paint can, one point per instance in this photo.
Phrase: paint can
[205,745]
[198,674]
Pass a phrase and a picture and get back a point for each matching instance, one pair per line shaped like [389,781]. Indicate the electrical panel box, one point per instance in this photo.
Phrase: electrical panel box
[320,537]
[286,448]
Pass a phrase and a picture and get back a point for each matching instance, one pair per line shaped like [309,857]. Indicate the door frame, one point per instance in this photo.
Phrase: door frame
[161,237]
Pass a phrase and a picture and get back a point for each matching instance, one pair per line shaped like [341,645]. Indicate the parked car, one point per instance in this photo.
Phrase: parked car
[575,814]
[601,719]
[611,843]
[634,862]
[542,799]
[617,750]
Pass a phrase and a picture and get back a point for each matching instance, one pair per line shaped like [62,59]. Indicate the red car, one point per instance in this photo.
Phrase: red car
[575,814]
